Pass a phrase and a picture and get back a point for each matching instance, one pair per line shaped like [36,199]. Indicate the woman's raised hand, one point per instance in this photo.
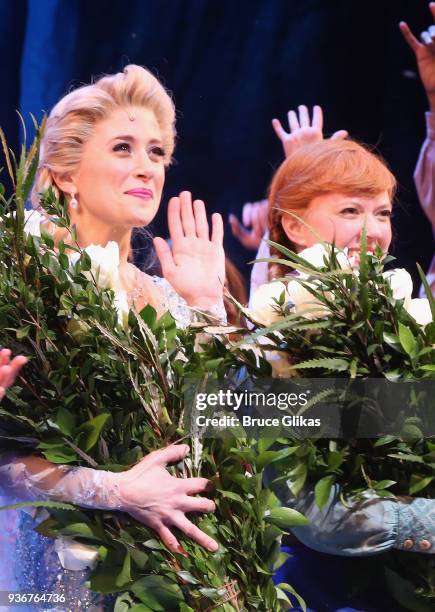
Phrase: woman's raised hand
[9,369]
[424,52]
[195,263]
[302,130]
[254,216]
[152,496]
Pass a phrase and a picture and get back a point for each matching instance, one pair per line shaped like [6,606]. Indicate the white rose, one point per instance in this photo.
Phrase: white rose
[32,222]
[263,307]
[316,255]
[122,307]
[305,303]
[419,309]
[401,284]
[74,555]
[104,264]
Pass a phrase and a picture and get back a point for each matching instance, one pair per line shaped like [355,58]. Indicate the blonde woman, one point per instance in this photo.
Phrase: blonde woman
[105,149]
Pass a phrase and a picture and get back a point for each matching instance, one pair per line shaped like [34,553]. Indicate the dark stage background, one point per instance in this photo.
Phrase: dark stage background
[232,66]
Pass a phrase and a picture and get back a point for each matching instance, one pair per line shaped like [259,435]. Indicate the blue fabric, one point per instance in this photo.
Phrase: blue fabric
[369,526]
[326,583]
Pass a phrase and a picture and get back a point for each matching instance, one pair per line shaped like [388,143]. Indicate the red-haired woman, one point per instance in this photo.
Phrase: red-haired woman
[330,191]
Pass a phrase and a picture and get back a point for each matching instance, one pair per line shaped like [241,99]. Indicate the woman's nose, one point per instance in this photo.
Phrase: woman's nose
[371,224]
[144,166]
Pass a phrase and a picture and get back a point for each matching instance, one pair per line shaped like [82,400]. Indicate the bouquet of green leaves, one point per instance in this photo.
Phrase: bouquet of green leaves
[333,319]
[104,386]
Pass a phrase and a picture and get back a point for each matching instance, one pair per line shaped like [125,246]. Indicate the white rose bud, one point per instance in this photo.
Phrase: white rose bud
[305,303]
[32,222]
[122,307]
[419,309]
[401,284]
[104,264]
[263,306]
[316,255]
[74,555]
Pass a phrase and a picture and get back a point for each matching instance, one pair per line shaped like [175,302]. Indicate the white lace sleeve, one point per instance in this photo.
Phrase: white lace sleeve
[179,309]
[29,478]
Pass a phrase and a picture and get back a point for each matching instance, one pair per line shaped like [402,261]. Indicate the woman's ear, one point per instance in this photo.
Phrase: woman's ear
[65,183]
[294,230]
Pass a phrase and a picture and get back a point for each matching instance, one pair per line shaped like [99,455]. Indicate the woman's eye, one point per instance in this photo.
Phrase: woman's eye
[122,146]
[387,213]
[350,210]
[157,152]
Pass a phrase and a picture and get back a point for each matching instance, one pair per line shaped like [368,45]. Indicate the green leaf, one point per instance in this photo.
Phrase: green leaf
[384,484]
[65,421]
[104,577]
[335,459]
[185,608]
[406,457]
[158,592]
[322,490]
[407,340]
[409,430]
[23,332]
[38,504]
[287,587]
[187,577]
[232,495]
[154,544]
[268,457]
[427,290]
[281,559]
[384,440]
[91,431]
[392,340]
[298,476]
[139,557]
[123,603]
[58,453]
[339,365]
[418,483]
[124,576]
[64,261]
[284,518]
[149,316]
[82,530]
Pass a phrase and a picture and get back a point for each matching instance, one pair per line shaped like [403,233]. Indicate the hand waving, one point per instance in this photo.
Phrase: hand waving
[195,266]
[424,54]
[254,223]
[9,369]
[301,130]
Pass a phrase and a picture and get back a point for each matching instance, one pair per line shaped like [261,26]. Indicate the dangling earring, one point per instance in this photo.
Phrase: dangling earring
[73,202]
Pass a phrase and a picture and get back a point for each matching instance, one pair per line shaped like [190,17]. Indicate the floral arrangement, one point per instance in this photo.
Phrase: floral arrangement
[334,317]
[104,386]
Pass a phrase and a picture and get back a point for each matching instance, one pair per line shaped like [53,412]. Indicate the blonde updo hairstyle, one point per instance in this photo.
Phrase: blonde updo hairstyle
[73,119]
[329,166]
